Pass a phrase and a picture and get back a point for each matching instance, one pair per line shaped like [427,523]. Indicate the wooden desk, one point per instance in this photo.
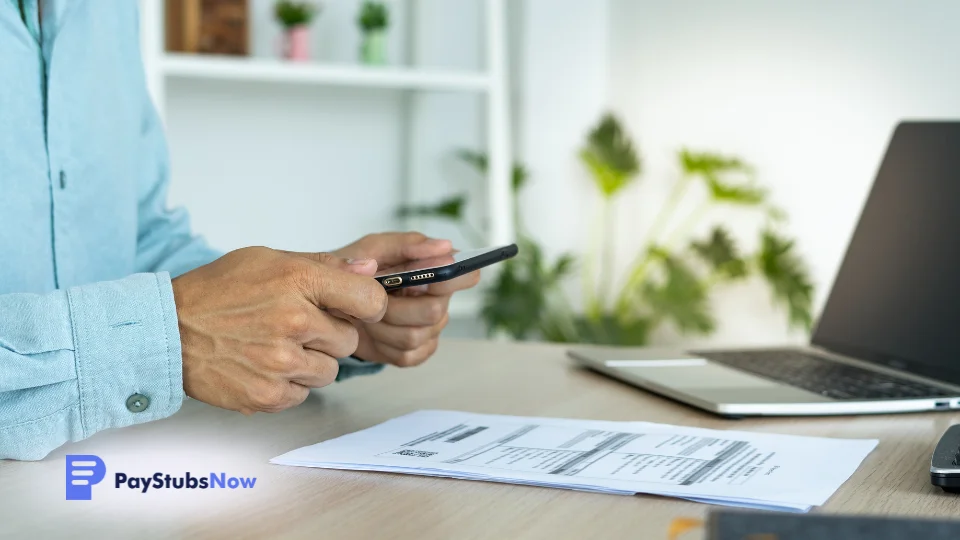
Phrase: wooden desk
[291,502]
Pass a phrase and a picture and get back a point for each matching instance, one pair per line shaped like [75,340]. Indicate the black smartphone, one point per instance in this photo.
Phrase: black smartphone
[437,269]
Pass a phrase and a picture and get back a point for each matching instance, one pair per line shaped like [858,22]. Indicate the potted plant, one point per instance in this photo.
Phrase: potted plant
[373,20]
[675,270]
[295,17]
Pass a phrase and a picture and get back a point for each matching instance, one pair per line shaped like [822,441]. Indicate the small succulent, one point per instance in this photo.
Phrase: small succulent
[291,13]
[374,16]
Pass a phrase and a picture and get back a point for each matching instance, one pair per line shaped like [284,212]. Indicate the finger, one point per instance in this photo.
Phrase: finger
[405,338]
[341,315]
[318,369]
[297,395]
[416,290]
[406,358]
[426,310]
[460,283]
[400,247]
[275,396]
[364,267]
[332,335]
[329,285]
[419,264]
[366,350]
[428,248]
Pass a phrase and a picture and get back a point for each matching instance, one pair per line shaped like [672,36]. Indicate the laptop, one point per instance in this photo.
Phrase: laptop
[888,339]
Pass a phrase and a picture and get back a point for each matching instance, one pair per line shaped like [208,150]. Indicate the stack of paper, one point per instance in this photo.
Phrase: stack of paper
[736,468]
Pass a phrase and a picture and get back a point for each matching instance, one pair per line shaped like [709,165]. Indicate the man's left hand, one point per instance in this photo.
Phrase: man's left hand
[409,332]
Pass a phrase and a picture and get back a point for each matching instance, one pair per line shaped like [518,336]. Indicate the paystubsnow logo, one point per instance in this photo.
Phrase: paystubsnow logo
[85,471]
[82,473]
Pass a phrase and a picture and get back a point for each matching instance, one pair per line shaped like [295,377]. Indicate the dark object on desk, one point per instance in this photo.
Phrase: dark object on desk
[734,525]
[945,463]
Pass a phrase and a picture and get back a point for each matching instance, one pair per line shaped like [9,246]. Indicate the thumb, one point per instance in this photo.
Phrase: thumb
[363,267]
[398,248]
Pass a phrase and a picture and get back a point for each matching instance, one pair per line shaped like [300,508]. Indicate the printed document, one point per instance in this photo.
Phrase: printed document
[756,470]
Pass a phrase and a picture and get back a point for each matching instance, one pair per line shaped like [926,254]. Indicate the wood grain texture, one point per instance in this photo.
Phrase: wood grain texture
[208,26]
[483,377]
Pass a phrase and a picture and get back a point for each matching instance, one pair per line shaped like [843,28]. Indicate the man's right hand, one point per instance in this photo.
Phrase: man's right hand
[256,327]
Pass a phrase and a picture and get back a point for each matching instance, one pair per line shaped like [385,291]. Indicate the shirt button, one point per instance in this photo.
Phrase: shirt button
[137,403]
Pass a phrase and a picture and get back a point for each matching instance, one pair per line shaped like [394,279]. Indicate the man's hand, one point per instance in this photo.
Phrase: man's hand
[255,330]
[410,330]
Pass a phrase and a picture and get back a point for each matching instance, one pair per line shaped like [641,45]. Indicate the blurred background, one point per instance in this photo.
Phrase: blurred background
[684,171]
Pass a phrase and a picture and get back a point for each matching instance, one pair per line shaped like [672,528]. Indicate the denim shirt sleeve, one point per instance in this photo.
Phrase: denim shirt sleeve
[70,359]
[165,241]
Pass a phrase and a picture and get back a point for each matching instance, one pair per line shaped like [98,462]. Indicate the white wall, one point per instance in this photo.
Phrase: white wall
[563,90]
[807,91]
[312,168]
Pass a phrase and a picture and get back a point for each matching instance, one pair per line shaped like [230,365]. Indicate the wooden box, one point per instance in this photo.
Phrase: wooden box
[208,26]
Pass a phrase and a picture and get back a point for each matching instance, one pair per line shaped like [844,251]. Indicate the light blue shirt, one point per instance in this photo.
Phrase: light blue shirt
[87,244]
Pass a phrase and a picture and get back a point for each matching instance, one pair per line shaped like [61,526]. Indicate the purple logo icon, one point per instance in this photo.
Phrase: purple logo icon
[82,473]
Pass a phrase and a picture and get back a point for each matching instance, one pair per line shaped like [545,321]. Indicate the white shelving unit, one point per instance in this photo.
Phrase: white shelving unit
[269,70]
[491,82]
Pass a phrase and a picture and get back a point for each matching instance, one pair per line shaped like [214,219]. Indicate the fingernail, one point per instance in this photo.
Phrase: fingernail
[359,262]
[436,241]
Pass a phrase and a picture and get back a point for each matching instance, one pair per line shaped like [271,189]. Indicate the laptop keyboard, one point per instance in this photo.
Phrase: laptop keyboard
[820,376]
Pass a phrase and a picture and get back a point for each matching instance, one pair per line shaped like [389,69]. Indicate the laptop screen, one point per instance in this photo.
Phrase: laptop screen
[896,298]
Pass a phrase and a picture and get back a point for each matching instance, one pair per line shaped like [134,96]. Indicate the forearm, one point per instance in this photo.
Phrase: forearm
[71,360]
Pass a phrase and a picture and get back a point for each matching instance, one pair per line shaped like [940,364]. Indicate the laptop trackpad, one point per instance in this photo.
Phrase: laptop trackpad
[706,375]
[720,384]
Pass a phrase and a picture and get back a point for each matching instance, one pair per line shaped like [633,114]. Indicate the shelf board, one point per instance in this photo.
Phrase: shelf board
[271,70]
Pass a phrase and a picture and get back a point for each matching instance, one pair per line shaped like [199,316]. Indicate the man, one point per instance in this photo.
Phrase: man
[94,333]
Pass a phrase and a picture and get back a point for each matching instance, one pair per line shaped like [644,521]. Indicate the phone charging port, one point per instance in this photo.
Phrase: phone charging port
[393,281]
[941,405]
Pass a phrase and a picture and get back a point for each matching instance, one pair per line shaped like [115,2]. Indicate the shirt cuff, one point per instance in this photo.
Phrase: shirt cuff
[352,367]
[127,350]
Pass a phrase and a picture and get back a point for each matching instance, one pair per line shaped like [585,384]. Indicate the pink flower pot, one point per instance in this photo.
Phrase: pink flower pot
[296,43]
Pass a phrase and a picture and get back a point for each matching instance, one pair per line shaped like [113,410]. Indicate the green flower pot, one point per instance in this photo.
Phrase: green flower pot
[373,49]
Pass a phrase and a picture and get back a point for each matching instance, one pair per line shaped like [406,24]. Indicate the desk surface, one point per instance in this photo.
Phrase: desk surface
[521,379]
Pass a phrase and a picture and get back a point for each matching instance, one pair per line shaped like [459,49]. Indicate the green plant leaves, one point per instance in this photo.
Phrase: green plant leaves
[606,330]
[450,208]
[516,302]
[680,296]
[720,252]
[291,13]
[729,193]
[373,16]
[712,168]
[511,303]
[788,277]
[711,164]
[562,268]
[610,156]
[478,160]
[665,284]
